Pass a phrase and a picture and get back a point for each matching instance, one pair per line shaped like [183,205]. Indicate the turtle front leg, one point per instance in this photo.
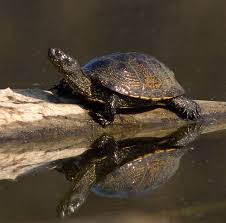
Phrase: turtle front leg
[62,89]
[106,117]
[106,144]
[184,108]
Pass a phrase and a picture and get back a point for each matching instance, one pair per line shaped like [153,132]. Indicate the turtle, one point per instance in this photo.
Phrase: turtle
[123,168]
[123,80]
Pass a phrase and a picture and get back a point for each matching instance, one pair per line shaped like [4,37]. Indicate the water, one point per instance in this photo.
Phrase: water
[194,192]
[189,36]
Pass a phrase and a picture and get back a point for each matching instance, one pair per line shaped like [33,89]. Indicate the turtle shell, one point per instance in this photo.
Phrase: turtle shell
[140,175]
[134,74]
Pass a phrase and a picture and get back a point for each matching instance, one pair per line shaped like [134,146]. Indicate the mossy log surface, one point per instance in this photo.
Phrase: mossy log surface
[37,127]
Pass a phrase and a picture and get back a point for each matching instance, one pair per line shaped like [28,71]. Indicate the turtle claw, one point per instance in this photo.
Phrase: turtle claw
[185,108]
[101,119]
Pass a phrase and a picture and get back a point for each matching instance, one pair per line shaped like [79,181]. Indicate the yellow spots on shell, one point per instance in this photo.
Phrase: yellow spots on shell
[158,151]
[150,98]
[150,81]
[165,150]
[160,99]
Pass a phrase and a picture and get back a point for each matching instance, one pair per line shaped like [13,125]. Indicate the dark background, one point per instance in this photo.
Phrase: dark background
[189,36]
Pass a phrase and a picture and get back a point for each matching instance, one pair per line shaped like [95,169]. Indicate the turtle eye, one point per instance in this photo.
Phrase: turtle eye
[54,53]
[58,53]
[67,60]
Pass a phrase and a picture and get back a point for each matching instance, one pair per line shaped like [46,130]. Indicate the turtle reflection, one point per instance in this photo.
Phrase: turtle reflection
[123,168]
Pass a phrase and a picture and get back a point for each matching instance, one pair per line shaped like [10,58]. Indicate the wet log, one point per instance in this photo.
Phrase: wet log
[37,127]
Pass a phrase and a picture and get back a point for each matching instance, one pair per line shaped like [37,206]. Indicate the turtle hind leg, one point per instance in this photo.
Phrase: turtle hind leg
[184,108]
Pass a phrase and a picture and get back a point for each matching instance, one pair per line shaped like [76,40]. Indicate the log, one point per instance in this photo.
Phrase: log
[37,127]
[27,113]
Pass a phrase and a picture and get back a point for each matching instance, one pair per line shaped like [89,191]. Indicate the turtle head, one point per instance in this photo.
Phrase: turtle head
[65,63]
[68,207]
[71,70]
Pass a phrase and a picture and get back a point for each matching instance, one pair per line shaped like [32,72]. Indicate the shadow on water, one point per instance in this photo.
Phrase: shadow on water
[123,168]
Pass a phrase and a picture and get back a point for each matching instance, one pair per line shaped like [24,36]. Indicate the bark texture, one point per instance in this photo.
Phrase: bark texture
[37,127]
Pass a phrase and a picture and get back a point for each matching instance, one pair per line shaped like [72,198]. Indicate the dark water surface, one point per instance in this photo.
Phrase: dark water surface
[189,36]
[195,193]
